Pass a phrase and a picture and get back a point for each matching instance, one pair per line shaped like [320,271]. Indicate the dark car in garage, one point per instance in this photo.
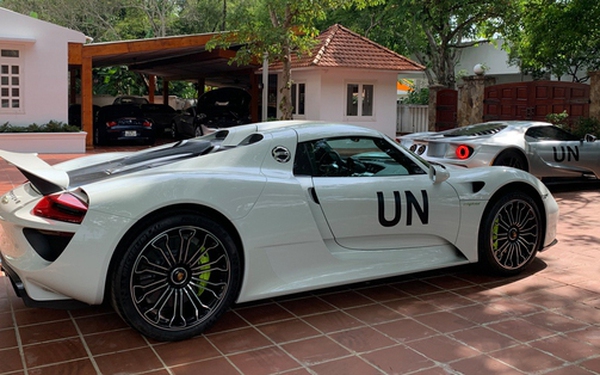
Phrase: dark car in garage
[122,123]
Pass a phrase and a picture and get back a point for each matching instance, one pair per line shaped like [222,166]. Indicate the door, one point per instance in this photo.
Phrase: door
[446,110]
[375,197]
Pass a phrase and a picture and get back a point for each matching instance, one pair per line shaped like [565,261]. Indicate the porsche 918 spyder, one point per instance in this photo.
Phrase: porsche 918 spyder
[173,235]
[540,148]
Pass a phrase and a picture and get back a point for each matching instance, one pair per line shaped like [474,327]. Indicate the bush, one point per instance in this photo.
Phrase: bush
[417,96]
[50,127]
[585,126]
[558,119]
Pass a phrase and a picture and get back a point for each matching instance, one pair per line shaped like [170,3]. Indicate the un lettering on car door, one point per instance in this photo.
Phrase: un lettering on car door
[373,213]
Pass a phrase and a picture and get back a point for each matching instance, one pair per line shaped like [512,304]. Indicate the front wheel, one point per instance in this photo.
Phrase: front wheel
[510,234]
[177,277]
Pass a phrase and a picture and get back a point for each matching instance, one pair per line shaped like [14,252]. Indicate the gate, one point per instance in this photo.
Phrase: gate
[446,109]
[534,100]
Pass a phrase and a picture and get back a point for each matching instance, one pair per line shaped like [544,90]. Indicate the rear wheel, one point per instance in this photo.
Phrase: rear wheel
[511,158]
[510,234]
[177,277]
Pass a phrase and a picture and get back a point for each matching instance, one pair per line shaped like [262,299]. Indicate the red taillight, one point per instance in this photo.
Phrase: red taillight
[110,124]
[463,152]
[62,207]
[147,124]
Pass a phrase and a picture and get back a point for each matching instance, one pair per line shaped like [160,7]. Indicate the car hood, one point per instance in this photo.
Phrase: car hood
[50,179]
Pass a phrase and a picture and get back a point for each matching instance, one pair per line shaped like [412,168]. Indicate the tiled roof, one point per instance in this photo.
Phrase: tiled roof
[339,47]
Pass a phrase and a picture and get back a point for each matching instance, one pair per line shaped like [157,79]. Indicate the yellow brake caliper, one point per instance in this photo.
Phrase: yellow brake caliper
[204,259]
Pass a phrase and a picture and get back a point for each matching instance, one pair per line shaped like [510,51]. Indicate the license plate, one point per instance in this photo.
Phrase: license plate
[130,133]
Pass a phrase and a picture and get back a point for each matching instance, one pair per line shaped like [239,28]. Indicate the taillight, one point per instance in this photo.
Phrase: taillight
[147,124]
[463,152]
[63,207]
[110,124]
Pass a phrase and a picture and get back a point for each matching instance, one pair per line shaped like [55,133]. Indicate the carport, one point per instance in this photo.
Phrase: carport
[178,58]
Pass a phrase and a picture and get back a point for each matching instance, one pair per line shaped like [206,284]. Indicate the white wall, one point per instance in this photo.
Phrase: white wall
[326,96]
[44,55]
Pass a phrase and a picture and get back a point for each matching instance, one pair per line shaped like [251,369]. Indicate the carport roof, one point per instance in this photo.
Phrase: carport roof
[174,58]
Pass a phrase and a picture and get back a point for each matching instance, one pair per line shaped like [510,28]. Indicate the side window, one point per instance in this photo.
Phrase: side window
[550,133]
[11,77]
[353,157]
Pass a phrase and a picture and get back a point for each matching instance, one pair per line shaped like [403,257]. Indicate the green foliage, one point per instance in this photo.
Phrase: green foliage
[558,119]
[585,126]
[556,37]
[417,96]
[50,127]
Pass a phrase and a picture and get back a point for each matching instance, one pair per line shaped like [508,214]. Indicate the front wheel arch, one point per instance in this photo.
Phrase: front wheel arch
[152,217]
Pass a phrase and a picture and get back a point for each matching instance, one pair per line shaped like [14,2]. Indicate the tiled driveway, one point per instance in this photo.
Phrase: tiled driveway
[455,321]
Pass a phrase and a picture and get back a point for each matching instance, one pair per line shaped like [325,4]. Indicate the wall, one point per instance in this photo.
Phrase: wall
[326,91]
[44,57]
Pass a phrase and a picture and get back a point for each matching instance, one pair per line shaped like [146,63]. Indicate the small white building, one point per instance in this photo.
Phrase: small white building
[34,76]
[348,78]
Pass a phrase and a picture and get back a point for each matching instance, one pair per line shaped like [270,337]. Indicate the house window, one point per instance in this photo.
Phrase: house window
[359,99]
[298,98]
[10,81]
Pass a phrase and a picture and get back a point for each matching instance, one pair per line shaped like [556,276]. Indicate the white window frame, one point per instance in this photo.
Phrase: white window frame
[11,80]
[359,100]
[296,99]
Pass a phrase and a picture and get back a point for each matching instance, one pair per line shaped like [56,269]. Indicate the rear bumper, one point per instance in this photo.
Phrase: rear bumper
[20,291]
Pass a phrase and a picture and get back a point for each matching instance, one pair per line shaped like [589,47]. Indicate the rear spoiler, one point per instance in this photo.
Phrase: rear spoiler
[42,175]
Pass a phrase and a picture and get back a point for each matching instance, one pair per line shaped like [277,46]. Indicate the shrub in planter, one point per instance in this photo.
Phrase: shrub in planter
[50,127]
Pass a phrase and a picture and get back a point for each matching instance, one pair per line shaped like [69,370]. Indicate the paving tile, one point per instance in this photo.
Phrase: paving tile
[555,322]
[332,321]
[416,287]
[10,360]
[229,321]
[114,341]
[8,338]
[54,352]
[527,359]
[315,350]
[264,313]
[483,364]
[412,306]
[374,314]
[263,361]
[565,348]
[288,330]
[37,333]
[33,316]
[346,366]
[346,299]
[182,352]
[444,321]
[362,339]
[405,330]
[220,366]
[570,370]
[382,293]
[79,367]
[483,339]
[521,330]
[307,306]
[482,313]
[398,360]
[239,340]
[443,349]
[589,335]
[127,362]
[100,323]
[592,365]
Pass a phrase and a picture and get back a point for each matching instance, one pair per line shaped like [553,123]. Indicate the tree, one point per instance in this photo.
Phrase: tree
[559,37]
[434,32]
[278,29]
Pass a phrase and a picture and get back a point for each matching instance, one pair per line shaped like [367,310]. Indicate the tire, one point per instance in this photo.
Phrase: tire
[511,158]
[511,234]
[177,277]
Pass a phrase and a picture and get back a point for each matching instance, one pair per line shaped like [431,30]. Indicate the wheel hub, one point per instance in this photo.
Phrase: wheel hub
[179,276]
[513,234]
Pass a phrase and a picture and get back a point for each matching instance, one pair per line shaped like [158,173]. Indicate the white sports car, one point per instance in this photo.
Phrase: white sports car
[174,235]
[540,148]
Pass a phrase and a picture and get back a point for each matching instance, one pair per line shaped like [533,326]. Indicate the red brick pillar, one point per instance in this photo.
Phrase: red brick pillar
[471,94]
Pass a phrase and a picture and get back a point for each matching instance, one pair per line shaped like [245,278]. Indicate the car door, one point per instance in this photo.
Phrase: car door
[562,151]
[187,121]
[374,196]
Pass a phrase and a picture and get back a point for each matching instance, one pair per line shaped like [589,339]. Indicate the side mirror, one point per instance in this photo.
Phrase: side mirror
[438,173]
[590,138]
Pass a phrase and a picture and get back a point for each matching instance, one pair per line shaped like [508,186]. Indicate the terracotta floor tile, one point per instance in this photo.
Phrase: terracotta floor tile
[264,313]
[5,306]
[482,313]
[405,330]
[263,361]
[288,330]
[182,352]
[229,321]
[382,293]
[527,359]
[412,306]
[398,360]
[36,333]
[444,321]
[54,352]
[447,300]
[100,323]
[307,306]
[10,360]
[79,367]
[592,365]
[569,370]
[130,361]
[513,306]
[8,338]
[521,330]
[332,321]
[346,366]
[362,339]
[589,335]
[215,366]
[114,341]
[239,340]
[568,349]
[374,314]
[443,349]
[483,339]
[315,350]
[449,282]
[346,299]
[6,320]
[416,287]
[555,322]
[482,364]
[33,316]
